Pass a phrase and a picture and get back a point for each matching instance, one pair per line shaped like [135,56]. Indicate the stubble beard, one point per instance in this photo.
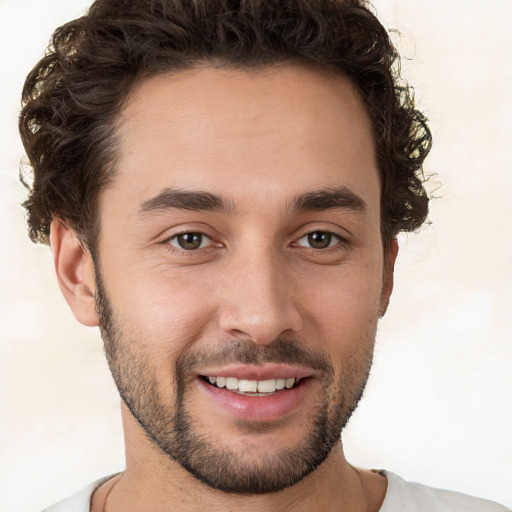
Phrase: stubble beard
[177,435]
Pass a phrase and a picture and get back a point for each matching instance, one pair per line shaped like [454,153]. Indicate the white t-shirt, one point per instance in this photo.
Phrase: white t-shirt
[401,496]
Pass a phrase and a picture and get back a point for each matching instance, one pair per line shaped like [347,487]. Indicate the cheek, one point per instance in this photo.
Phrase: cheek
[347,294]
[164,312]
[344,307]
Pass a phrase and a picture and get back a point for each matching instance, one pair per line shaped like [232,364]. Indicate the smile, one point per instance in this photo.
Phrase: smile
[256,393]
[253,387]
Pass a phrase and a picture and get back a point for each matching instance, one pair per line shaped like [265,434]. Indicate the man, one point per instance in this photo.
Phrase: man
[222,185]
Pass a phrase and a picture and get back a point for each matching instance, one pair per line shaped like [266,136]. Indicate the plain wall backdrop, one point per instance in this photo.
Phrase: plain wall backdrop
[438,407]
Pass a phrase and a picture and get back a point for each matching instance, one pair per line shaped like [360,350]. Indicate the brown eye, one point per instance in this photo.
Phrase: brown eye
[189,241]
[318,240]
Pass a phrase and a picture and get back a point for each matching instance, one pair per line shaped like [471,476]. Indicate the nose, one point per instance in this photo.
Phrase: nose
[258,300]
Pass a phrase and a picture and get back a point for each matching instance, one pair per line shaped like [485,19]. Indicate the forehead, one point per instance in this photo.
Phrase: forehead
[292,128]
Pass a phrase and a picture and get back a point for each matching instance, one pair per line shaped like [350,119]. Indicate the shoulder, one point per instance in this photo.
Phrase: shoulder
[414,497]
[79,502]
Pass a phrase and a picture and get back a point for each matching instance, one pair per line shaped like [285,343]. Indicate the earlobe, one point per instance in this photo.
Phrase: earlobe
[388,276]
[75,272]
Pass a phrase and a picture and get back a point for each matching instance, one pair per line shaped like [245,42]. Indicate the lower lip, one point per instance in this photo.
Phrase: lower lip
[257,408]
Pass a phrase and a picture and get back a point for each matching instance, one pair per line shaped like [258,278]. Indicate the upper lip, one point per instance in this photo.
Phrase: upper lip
[254,372]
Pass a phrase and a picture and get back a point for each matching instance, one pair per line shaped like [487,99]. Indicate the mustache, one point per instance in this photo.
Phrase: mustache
[285,351]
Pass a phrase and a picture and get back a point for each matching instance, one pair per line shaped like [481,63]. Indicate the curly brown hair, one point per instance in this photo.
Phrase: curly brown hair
[73,96]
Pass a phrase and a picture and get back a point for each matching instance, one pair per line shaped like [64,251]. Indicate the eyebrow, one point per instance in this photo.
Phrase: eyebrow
[171,199]
[317,200]
[328,199]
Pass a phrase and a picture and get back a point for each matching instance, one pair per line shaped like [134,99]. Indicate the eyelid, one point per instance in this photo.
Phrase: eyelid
[204,230]
[183,229]
[336,239]
[206,240]
[343,234]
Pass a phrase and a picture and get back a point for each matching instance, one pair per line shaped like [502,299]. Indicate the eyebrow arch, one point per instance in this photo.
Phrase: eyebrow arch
[328,199]
[170,199]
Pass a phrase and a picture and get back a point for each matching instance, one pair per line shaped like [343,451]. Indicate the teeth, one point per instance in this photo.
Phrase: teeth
[253,386]
[248,386]
[267,386]
[232,383]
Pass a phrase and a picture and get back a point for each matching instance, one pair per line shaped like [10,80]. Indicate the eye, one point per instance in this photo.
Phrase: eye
[189,241]
[319,240]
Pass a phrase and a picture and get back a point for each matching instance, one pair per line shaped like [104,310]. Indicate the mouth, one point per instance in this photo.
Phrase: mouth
[260,388]
[256,394]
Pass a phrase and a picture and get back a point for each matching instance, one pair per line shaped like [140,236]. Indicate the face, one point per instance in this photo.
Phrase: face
[240,271]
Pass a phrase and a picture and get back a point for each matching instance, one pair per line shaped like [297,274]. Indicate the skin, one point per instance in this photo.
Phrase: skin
[259,140]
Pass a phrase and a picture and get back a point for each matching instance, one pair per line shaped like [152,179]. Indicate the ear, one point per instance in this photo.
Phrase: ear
[390,255]
[75,272]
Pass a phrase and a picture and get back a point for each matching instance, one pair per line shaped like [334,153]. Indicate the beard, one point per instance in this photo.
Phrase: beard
[167,421]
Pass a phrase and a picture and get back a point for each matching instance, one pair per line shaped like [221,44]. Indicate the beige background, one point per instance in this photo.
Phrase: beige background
[438,408]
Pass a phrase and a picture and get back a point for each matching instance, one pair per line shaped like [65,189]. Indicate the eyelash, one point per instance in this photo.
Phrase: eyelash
[333,240]
[204,238]
[332,237]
